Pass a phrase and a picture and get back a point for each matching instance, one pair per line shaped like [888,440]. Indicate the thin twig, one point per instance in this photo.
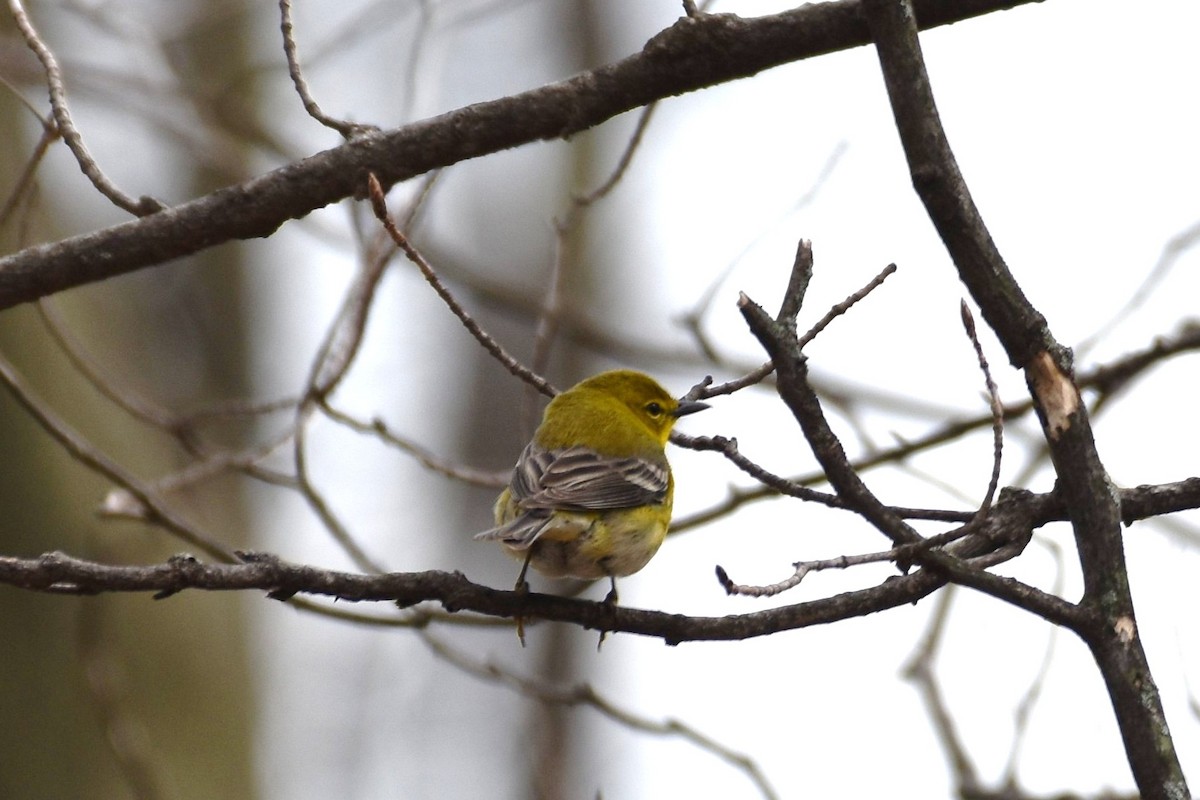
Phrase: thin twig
[85,364]
[906,552]
[348,130]
[377,427]
[217,461]
[141,207]
[549,318]
[344,338]
[997,409]
[317,502]
[24,185]
[623,163]
[760,373]
[1105,378]
[751,378]
[728,447]
[844,306]
[182,427]
[551,309]
[780,342]
[1175,247]
[379,204]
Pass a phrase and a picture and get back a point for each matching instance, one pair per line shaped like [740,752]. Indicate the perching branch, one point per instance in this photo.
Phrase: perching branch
[1013,517]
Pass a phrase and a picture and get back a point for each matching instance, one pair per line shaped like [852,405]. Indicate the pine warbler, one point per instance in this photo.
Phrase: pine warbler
[591,495]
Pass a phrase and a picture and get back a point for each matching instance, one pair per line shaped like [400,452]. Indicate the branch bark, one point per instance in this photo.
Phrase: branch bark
[693,53]
[1013,517]
[1091,501]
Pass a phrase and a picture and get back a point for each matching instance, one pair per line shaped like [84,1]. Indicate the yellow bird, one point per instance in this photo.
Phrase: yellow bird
[591,494]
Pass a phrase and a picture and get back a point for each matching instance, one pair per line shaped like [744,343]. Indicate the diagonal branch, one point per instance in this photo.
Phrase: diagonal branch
[692,54]
[1089,496]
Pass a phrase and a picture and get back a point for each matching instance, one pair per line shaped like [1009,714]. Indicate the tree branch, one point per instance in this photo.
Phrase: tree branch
[690,55]
[1088,494]
[1013,517]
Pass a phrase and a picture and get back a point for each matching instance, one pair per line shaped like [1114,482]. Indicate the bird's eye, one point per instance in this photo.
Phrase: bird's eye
[654,409]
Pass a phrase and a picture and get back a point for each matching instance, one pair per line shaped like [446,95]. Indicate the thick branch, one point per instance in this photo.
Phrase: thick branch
[1012,518]
[1089,497]
[939,183]
[692,54]
[62,574]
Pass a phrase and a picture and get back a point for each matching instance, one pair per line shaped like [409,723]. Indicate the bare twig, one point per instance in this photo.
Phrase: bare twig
[902,553]
[757,375]
[698,53]
[344,338]
[219,460]
[631,147]
[751,378]
[377,427]
[1175,247]
[729,448]
[24,185]
[994,403]
[693,320]
[1107,379]
[379,204]
[551,309]
[320,506]
[141,207]
[348,130]
[844,306]
[780,342]
[182,427]
[1025,708]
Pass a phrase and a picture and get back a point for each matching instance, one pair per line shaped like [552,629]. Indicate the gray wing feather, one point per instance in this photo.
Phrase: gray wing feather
[579,479]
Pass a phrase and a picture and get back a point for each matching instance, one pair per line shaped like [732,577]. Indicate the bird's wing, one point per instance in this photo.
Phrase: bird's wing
[578,478]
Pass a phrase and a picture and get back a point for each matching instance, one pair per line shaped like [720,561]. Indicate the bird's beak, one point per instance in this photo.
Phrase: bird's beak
[689,407]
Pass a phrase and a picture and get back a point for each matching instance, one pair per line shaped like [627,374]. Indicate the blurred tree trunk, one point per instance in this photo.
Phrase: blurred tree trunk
[167,681]
[556,737]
